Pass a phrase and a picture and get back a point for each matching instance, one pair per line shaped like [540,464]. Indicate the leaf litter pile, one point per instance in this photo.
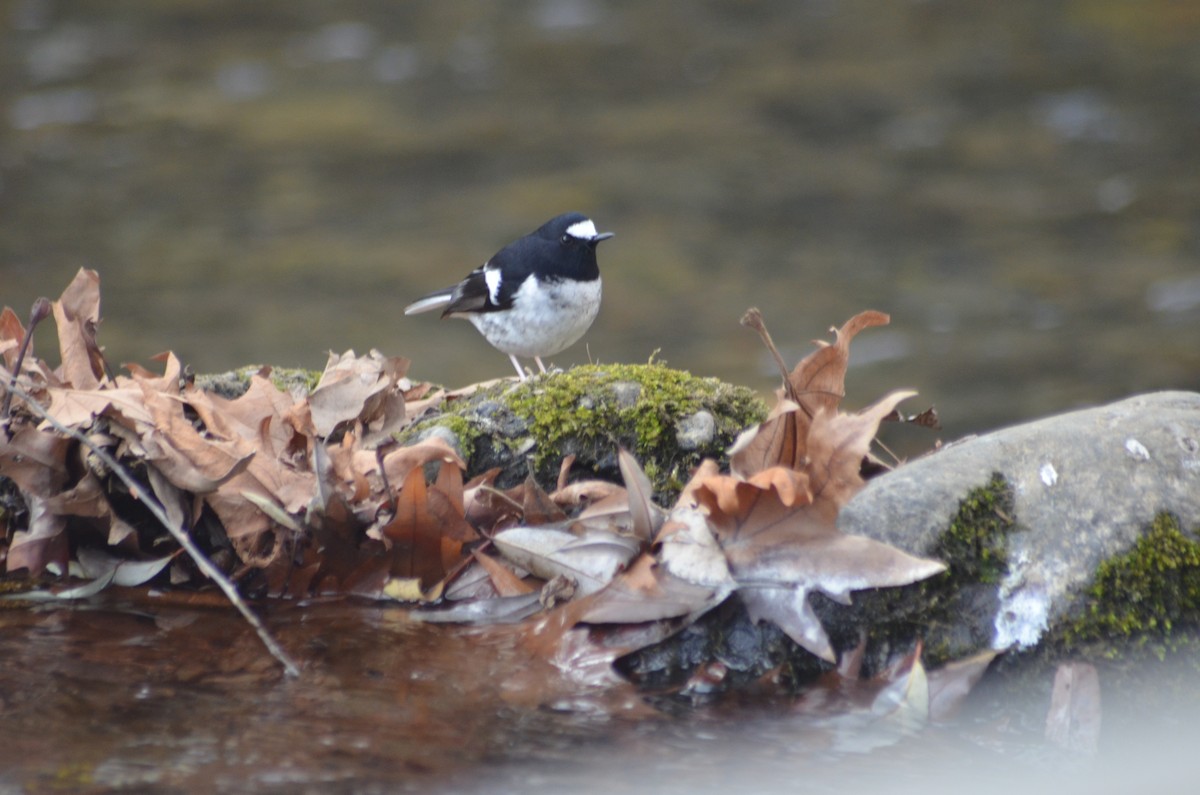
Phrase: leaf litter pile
[111,478]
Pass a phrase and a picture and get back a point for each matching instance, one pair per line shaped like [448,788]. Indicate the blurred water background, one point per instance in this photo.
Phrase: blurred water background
[1017,183]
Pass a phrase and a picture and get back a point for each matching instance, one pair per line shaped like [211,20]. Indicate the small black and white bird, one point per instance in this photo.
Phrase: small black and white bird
[534,297]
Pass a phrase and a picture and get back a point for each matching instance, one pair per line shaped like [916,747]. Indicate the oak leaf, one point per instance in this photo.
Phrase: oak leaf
[77,313]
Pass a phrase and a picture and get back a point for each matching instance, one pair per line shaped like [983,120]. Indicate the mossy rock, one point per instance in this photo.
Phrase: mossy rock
[952,613]
[1071,538]
[669,419]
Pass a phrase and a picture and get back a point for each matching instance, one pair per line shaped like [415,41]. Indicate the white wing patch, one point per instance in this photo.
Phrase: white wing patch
[584,230]
[492,277]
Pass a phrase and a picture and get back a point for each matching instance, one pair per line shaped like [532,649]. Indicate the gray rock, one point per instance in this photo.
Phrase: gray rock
[626,393]
[445,434]
[1085,487]
[696,430]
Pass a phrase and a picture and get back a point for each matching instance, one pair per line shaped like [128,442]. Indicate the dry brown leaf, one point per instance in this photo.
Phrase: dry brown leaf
[590,561]
[837,444]
[245,416]
[414,534]
[188,459]
[427,528]
[780,440]
[564,471]
[12,334]
[169,382]
[417,402]
[78,408]
[449,482]
[585,493]
[356,388]
[268,478]
[818,381]
[77,313]
[401,461]
[536,506]
[780,546]
[35,460]
[707,469]
[687,549]
[390,417]
[85,498]
[486,508]
[648,592]
[505,581]
[41,544]
[610,514]
[645,517]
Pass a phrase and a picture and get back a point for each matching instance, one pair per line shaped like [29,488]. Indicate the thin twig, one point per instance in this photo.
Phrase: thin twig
[753,319]
[202,562]
[37,313]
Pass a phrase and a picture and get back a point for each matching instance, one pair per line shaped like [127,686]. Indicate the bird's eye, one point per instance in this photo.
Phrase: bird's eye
[566,239]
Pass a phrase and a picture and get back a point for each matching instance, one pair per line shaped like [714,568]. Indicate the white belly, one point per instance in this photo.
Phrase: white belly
[542,323]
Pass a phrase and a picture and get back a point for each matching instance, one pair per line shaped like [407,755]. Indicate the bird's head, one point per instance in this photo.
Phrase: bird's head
[573,229]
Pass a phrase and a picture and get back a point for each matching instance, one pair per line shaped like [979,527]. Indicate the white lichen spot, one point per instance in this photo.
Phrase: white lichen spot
[1137,451]
[1022,615]
[1048,474]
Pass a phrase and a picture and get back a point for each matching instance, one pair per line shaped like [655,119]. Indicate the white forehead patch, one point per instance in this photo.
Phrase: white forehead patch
[584,230]
[492,277]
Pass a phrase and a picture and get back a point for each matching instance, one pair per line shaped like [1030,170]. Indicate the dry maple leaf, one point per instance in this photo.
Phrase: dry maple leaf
[819,380]
[646,591]
[781,546]
[780,440]
[837,444]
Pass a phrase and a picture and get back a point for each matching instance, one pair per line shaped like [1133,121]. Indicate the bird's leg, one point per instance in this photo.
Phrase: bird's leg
[516,364]
[541,366]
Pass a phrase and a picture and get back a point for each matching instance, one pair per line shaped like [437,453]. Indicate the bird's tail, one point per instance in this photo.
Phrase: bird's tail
[432,301]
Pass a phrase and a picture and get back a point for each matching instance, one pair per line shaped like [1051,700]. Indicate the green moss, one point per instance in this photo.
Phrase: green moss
[952,612]
[974,543]
[288,378]
[637,406]
[1144,599]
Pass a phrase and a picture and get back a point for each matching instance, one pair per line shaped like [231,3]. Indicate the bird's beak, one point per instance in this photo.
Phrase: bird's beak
[599,237]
